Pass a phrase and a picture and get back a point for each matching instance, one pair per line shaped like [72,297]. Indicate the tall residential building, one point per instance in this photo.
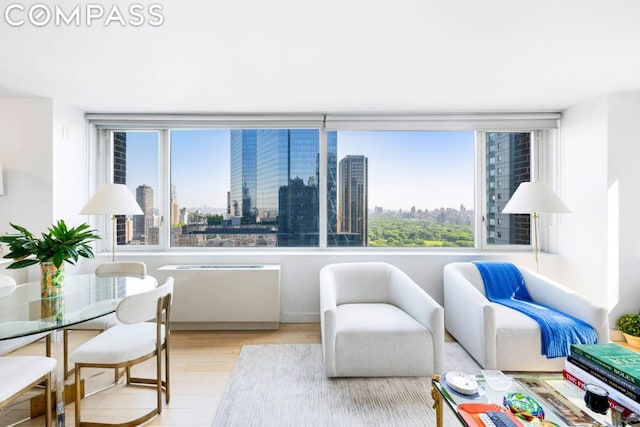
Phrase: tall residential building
[141,223]
[353,196]
[275,180]
[123,235]
[508,164]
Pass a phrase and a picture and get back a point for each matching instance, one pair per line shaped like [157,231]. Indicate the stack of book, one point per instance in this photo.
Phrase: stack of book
[610,366]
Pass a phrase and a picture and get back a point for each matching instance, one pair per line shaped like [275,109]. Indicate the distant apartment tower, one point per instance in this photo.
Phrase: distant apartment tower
[141,223]
[353,195]
[508,164]
[175,207]
[184,216]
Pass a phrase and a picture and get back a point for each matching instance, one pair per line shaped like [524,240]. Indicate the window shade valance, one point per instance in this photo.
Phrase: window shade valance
[227,121]
[484,122]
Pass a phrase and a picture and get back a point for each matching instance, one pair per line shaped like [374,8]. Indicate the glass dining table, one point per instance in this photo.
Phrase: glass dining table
[24,312]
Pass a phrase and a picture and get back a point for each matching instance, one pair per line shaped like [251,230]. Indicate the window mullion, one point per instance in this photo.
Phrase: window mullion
[481,191]
[323,219]
[165,172]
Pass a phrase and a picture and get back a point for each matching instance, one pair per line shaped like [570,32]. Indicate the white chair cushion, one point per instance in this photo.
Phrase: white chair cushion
[98,324]
[17,373]
[118,344]
[21,326]
[96,309]
[132,268]
[381,338]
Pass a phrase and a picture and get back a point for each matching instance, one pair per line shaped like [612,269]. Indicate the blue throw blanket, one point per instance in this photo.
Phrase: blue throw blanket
[503,284]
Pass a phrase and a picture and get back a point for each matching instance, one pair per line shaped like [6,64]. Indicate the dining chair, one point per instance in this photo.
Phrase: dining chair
[134,340]
[130,268]
[99,324]
[21,373]
[7,287]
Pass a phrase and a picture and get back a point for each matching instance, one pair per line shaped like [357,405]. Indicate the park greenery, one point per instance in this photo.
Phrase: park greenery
[391,231]
[400,232]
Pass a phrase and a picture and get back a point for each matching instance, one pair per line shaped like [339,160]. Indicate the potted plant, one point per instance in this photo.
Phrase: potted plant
[629,325]
[51,250]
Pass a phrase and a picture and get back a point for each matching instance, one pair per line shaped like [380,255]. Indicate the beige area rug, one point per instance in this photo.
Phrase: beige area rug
[284,385]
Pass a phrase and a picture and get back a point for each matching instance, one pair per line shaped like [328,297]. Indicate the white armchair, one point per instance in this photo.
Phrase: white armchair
[498,337]
[378,322]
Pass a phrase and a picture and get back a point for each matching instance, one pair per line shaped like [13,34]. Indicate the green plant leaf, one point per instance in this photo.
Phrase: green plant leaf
[58,245]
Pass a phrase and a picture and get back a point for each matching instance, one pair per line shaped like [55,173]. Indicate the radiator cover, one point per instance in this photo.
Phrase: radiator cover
[216,297]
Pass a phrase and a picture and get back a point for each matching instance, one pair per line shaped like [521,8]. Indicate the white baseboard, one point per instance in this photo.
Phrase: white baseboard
[299,317]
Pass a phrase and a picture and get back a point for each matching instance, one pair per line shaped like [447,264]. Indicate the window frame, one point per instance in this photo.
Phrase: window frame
[544,132]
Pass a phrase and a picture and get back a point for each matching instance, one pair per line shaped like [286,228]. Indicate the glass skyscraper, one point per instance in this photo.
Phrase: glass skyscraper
[243,174]
[275,180]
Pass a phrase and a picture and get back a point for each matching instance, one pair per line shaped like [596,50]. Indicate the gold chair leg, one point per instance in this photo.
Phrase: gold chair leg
[47,398]
[65,352]
[167,374]
[47,344]
[159,381]
[78,394]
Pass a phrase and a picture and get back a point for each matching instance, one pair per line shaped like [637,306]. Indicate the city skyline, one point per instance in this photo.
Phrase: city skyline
[407,168]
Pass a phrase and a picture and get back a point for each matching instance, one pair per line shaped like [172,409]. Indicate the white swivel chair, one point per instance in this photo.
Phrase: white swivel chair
[498,337]
[7,287]
[21,373]
[133,341]
[131,268]
[376,321]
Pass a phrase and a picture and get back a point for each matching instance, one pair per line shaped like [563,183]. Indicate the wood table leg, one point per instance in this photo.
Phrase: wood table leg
[437,401]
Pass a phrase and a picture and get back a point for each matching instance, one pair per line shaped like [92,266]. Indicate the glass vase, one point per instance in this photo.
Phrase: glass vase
[52,280]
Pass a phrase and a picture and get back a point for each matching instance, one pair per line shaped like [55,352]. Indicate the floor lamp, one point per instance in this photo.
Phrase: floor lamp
[112,199]
[533,198]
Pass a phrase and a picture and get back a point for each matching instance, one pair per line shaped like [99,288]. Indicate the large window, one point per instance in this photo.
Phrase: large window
[228,188]
[235,187]
[403,189]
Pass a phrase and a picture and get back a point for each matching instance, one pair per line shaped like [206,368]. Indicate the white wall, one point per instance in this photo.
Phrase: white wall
[45,172]
[583,187]
[599,176]
[624,175]
[25,153]
[70,163]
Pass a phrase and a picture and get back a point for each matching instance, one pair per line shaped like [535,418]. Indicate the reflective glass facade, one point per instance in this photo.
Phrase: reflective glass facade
[276,172]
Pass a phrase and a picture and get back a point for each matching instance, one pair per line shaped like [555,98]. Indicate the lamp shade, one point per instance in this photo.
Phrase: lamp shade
[531,197]
[112,199]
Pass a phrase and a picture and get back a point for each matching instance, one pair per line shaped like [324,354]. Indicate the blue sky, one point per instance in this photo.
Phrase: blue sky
[423,169]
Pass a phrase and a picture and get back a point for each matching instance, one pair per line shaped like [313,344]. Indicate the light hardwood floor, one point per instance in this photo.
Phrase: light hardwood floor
[201,362]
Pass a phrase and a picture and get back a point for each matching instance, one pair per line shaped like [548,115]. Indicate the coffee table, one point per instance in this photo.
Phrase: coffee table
[562,402]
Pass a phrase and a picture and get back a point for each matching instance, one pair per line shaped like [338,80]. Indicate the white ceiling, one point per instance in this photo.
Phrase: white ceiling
[222,56]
